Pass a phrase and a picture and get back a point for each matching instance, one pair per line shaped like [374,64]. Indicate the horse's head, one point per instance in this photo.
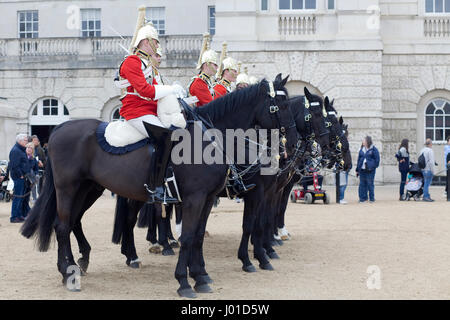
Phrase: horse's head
[276,113]
[315,107]
[338,139]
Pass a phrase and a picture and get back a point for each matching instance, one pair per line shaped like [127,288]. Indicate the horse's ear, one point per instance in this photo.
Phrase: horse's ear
[284,81]
[332,102]
[327,102]
[307,93]
[341,121]
[278,78]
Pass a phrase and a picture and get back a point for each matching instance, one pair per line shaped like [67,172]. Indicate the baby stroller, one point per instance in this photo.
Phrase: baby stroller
[414,184]
[5,194]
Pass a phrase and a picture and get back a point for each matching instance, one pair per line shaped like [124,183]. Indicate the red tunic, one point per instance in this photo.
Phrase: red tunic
[200,89]
[132,105]
[220,90]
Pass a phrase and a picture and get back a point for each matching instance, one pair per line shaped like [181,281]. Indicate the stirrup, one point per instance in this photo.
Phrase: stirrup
[159,197]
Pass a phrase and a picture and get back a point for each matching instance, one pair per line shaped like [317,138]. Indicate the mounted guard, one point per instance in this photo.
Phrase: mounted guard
[242,80]
[150,106]
[202,85]
[227,73]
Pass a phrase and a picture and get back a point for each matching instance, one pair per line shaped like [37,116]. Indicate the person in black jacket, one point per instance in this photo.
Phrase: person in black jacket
[402,156]
[18,166]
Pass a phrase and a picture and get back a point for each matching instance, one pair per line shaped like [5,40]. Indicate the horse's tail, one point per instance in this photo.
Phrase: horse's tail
[120,219]
[42,216]
[145,215]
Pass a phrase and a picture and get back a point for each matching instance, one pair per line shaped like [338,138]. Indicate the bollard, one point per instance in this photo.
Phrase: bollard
[338,184]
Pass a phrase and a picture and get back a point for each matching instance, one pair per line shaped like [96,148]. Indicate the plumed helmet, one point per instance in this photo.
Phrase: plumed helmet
[242,78]
[209,56]
[148,31]
[230,63]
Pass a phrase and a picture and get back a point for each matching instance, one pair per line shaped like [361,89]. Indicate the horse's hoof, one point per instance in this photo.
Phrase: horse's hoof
[266,266]
[280,242]
[156,249]
[274,243]
[74,289]
[83,264]
[187,293]
[204,279]
[174,244]
[250,268]
[168,252]
[203,288]
[134,264]
[274,255]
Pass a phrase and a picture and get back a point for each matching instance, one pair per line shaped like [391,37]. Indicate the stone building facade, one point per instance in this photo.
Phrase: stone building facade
[384,62]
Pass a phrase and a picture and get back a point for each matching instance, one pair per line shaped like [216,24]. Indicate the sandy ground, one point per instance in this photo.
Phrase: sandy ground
[401,249]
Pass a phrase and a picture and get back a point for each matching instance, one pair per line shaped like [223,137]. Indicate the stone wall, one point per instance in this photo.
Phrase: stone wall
[409,83]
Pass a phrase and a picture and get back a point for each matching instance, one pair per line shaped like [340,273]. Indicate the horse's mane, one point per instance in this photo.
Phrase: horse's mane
[217,109]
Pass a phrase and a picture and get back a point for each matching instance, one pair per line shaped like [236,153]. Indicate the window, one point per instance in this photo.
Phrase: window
[437,6]
[331,5]
[437,120]
[157,16]
[115,116]
[28,24]
[90,23]
[212,20]
[49,111]
[264,5]
[296,4]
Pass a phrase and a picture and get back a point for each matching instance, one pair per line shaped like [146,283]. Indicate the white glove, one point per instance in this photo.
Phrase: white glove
[162,91]
[178,90]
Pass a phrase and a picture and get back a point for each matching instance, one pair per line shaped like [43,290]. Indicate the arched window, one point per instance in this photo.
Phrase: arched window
[48,111]
[437,120]
[115,115]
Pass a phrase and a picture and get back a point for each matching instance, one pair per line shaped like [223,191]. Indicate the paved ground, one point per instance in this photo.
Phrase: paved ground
[399,249]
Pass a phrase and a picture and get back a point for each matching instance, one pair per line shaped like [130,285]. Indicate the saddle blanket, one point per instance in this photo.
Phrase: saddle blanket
[119,137]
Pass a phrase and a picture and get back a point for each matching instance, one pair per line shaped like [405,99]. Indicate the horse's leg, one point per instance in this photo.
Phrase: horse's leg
[258,235]
[269,227]
[93,193]
[191,220]
[197,269]
[151,231]
[248,222]
[65,199]
[128,246]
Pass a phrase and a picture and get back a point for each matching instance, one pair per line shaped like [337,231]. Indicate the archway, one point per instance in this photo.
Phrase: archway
[46,114]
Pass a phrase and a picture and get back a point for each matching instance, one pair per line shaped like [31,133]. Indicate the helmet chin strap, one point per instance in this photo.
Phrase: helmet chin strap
[147,55]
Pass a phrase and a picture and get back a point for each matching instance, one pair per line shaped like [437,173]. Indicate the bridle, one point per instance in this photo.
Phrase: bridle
[335,138]
[274,110]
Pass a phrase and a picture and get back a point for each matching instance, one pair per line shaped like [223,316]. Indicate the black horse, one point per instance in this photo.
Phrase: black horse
[76,177]
[261,202]
[340,151]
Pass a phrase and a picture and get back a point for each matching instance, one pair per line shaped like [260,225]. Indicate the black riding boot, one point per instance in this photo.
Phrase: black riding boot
[158,165]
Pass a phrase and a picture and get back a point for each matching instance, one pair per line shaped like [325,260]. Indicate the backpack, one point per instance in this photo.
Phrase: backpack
[421,161]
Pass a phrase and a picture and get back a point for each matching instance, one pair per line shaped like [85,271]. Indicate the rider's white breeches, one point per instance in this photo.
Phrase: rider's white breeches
[149,118]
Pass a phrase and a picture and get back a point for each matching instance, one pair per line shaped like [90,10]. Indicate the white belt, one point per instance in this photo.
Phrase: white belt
[125,83]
